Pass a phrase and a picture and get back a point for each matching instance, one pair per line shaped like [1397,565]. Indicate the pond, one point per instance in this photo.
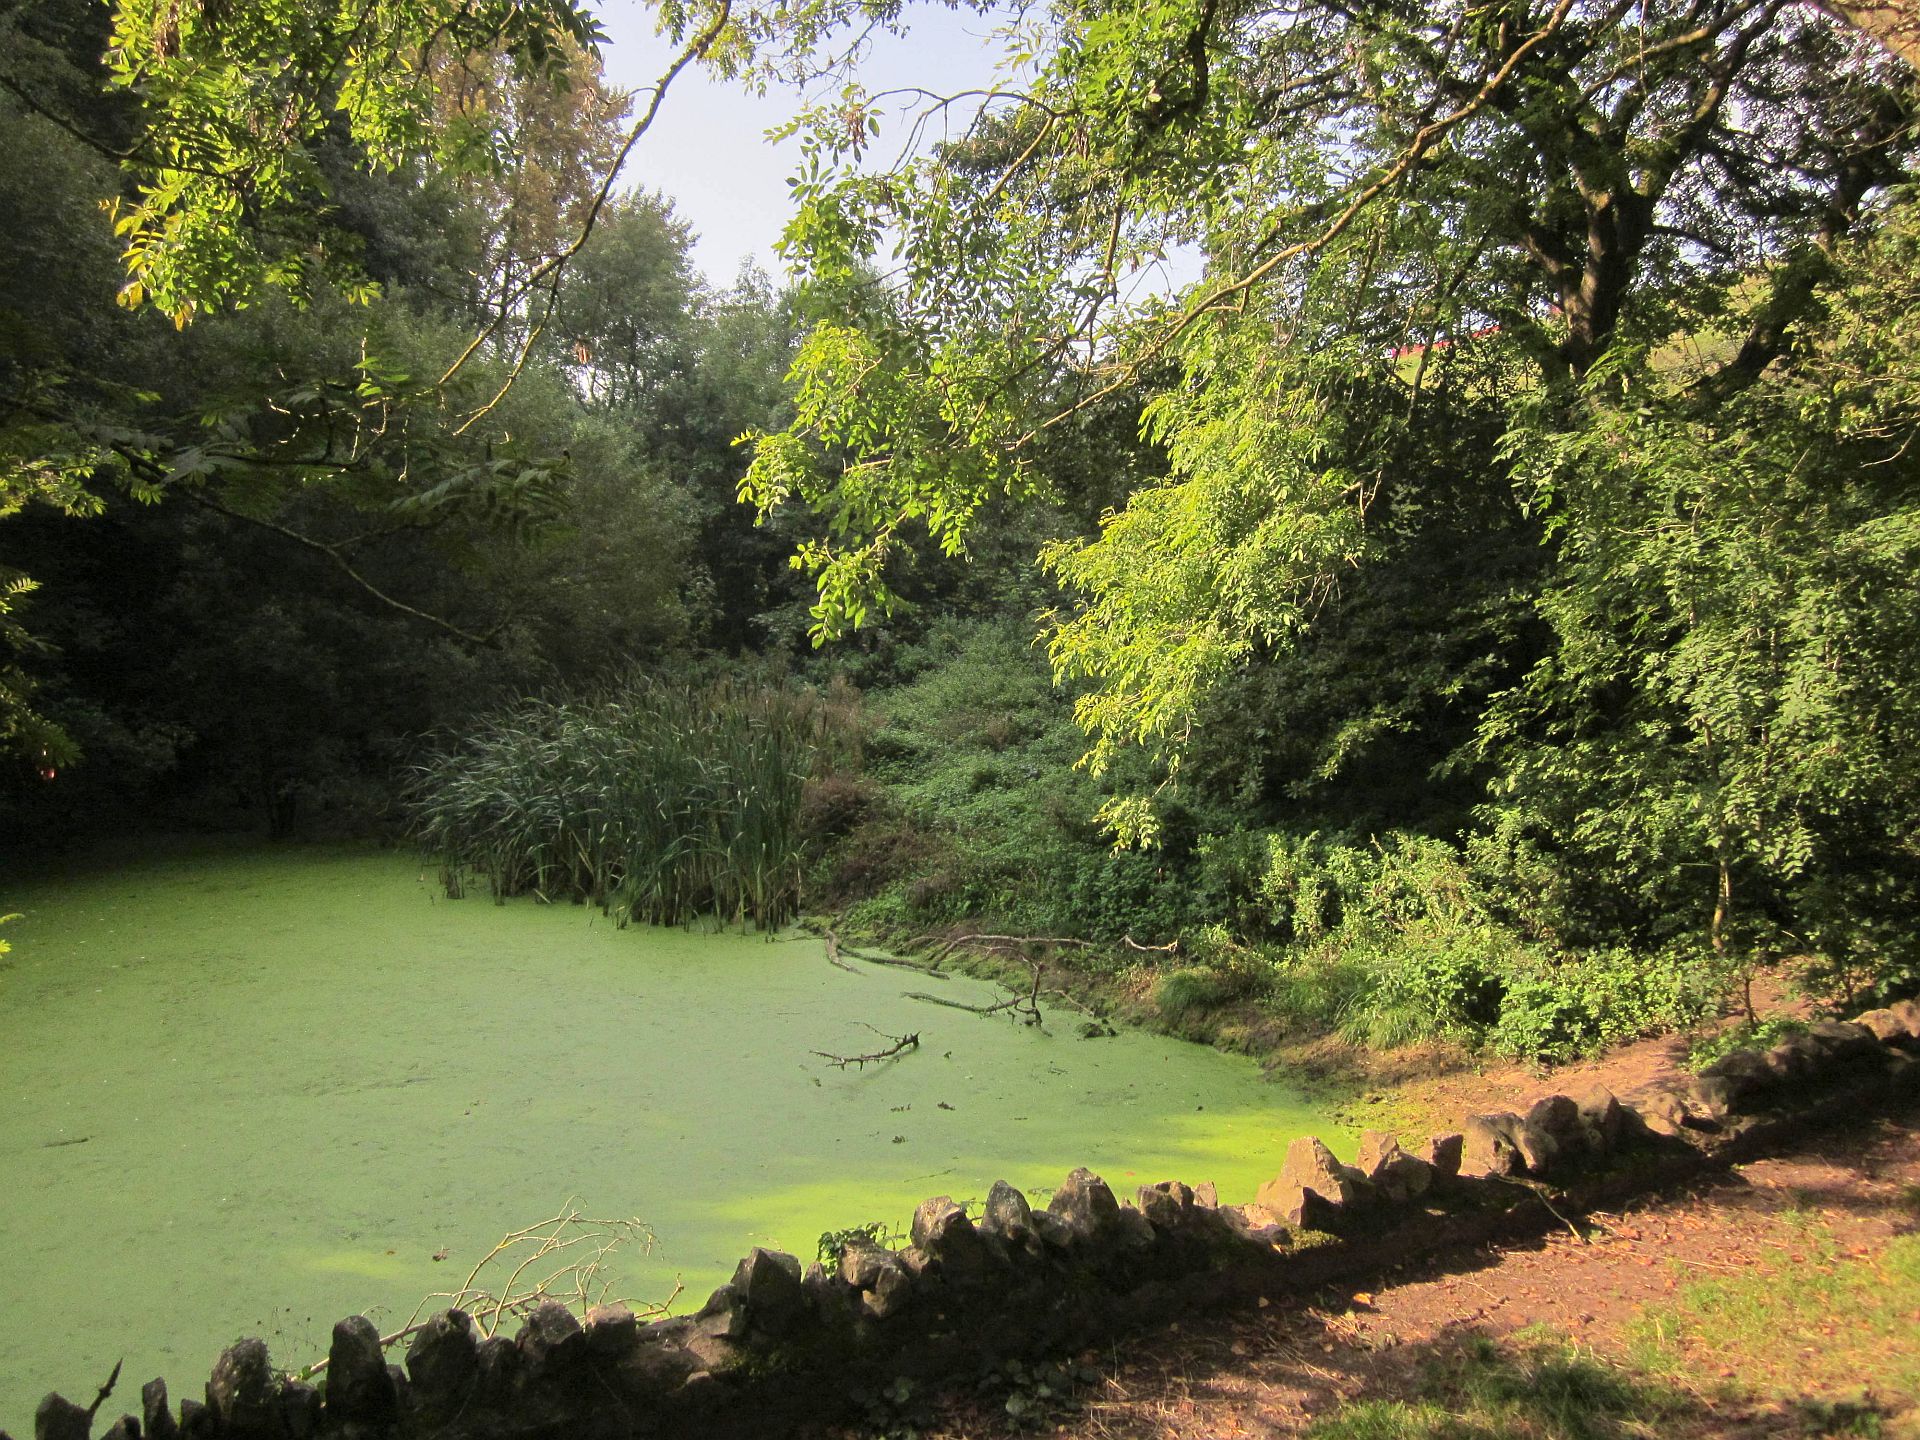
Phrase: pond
[250,1091]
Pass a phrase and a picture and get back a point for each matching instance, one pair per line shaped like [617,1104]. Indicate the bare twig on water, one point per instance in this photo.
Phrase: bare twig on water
[901,1044]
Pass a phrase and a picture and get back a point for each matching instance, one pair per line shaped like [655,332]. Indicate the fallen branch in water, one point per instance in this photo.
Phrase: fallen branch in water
[901,1043]
[1005,942]
[836,948]
[833,954]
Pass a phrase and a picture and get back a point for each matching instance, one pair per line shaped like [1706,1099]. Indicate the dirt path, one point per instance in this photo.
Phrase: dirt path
[1780,1299]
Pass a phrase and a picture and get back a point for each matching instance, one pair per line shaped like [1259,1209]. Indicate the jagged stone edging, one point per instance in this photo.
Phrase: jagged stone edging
[778,1347]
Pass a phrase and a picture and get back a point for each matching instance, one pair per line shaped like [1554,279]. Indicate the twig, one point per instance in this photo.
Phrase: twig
[105,1390]
[1540,1192]
[1172,947]
[900,1043]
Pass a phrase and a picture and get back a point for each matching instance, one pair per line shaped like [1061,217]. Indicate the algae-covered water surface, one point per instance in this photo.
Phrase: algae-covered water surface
[249,1092]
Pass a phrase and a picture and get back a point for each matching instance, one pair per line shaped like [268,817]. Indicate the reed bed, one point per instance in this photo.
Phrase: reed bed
[658,803]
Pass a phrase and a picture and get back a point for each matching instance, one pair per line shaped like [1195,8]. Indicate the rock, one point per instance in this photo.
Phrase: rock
[1558,1117]
[1295,1206]
[1394,1174]
[612,1330]
[1132,1229]
[916,1262]
[1713,1097]
[1538,1148]
[359,1390]
[768,1282]
[156,1417]
[443,1361]
[1311,1166]
[245,1389]
[1167,1205]
[711,1352]
[299,1410]
[724,1316]
[1376,1148]
[1489,1147]
[1443,1152]
[1008,1211]
[1793,1059]
[196,1419]
[1052,1229]
[1843,1041]
[58,1418]
[1907,1013]
[127,1427]
[1206,1195]
[1085,1204]
[862,1264]
[1256,1224]
[551,1337]
[942,1229]
[1743,1077]
[1601,1118]
[499,1367]
[1662,1110]
[889,1295]
[829,1297]
[1887,1027]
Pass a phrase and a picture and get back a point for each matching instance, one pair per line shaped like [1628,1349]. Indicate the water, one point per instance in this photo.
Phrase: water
[251,1091]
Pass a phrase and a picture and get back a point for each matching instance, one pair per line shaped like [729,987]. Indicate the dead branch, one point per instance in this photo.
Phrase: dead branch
[833,954]
[1005,942]
[901,1044]
[836,948]
[1172,947]
[105,1390]
[564,1231]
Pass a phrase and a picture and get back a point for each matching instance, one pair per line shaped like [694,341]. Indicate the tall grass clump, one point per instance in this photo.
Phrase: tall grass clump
[659,803]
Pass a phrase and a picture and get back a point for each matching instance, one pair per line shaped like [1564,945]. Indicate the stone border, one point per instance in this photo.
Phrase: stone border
[779,1348]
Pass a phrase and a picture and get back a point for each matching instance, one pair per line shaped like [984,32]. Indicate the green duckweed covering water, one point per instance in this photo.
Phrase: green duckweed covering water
[249,1092]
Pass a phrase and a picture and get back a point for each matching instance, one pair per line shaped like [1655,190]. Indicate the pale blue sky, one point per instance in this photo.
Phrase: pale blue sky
[707,148]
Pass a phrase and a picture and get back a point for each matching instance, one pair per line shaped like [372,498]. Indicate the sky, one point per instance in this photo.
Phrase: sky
[707,149]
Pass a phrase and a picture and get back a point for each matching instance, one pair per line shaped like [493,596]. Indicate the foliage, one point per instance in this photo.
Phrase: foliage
[241,97]
[1403,939]
[1744,1036]
[660,803]
[1724,726]
[975,748]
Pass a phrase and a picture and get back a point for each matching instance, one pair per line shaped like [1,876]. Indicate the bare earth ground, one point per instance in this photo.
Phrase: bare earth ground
[1780,1299]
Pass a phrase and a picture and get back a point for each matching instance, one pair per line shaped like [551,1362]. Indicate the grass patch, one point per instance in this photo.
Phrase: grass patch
[1816,1318]
[1532,1391]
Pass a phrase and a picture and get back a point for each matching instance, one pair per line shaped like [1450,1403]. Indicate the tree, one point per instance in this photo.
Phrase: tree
[1360,182]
